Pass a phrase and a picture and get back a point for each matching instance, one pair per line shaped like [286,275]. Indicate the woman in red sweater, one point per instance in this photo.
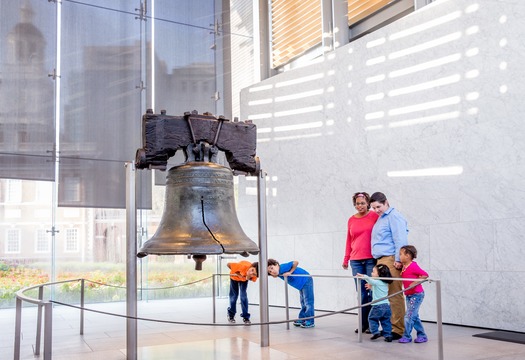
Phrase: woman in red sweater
[358,247]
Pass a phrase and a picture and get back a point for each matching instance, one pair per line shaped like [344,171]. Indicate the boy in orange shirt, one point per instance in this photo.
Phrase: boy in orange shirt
[240,273]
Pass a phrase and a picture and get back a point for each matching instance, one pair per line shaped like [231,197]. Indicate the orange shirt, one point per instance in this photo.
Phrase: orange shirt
[240,268]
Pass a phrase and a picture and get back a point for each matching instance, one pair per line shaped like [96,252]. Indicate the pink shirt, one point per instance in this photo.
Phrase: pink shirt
[358,238]
[413,271]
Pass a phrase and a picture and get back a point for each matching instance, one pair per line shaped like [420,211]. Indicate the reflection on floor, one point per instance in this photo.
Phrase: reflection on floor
[333,337]
[218,349]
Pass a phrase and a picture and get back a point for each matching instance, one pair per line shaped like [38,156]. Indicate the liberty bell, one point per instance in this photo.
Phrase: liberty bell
[199,215]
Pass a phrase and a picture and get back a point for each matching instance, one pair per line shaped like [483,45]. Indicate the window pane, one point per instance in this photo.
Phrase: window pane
[244,71]
[296,27]
[184,61]
[12,241]
[43,241]
[101,101]
[360,9]
[27,56]
[25,237]
[71,241]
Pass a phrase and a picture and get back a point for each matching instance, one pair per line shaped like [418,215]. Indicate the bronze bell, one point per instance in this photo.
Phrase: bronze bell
[199,215]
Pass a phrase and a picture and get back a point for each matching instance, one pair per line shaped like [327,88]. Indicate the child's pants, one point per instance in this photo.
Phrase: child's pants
[412,320]
[380,313]
[307,301]
[238,288]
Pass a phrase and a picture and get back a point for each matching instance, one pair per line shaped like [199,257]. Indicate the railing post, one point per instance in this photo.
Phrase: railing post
[18,328]
[82,287]
[213,296]
[286,303]
[39,322]
[48,331]
[439,319]
[359,312]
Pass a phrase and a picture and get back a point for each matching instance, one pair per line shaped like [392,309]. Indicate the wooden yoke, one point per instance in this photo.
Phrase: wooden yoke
[200,136]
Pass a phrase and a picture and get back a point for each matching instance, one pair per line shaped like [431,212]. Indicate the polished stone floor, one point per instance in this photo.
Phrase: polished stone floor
[333,337]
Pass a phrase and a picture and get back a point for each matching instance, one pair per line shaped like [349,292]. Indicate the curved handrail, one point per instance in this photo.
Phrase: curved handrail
[20,293]
[47,304]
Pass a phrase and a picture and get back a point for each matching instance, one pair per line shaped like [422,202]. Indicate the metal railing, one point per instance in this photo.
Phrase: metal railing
[359,307]
[46,307]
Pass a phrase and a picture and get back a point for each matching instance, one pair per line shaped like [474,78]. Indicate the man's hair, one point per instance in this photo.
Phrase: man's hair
[256,266]
[379,197]
[410,250]
[384,272]
[273,262]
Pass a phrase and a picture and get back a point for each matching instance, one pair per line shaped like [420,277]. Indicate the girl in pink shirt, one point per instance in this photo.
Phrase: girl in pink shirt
[414,296]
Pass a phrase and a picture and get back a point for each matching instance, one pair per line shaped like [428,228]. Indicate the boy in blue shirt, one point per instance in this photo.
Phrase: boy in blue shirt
[304,284]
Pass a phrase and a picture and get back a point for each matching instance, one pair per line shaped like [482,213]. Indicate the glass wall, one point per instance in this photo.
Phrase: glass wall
[75,79]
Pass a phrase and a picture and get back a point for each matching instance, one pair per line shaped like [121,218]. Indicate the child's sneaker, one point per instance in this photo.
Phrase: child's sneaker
[404,340]
[231,319]
[375,336]
[388,338]
[421,339]
[246,321]
[297,323]
[307,326]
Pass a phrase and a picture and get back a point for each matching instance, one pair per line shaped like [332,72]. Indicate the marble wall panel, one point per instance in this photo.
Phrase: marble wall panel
[509,249]
[462,246]
[429,110]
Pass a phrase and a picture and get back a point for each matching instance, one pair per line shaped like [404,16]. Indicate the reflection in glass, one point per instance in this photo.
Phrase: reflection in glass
[184,60]
[101,97]
[81,224]
[26,91]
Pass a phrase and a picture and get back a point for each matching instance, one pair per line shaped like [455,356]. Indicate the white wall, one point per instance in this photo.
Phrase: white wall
[439,89]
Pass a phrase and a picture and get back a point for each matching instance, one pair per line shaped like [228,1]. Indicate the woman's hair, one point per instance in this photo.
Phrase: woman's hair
[410,250]
[363,195]
[379,197]
[384,272]
[273,262]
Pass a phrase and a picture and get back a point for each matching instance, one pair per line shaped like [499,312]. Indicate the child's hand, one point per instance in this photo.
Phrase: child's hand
[288,273]
[359,275]
[368,286]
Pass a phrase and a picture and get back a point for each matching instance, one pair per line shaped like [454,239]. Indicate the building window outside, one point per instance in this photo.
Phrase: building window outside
[71,240]
[12,244]
[296,28]
[43,243]
[14,191]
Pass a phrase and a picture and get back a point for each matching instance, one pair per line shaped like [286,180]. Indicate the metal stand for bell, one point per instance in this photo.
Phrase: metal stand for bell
[263,259]
[131,261]
[199,217]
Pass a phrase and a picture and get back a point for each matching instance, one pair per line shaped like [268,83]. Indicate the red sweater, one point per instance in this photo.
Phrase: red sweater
[358,238]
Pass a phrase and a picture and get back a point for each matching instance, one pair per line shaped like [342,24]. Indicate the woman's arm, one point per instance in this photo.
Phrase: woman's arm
[348,247]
